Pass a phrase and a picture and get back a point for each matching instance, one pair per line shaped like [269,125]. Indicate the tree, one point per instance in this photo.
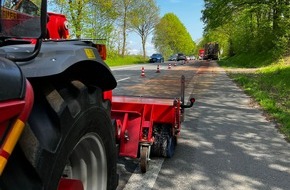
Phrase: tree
[93,19]
[124,9]
[100,22]
[88,18]
[171,36]
[255,25]
[143,19]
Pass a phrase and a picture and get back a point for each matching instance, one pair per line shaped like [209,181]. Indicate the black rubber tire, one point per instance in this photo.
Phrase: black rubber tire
[144,162]
[164,143]
[170,147]
[164,146]
[65,115]
[159,146]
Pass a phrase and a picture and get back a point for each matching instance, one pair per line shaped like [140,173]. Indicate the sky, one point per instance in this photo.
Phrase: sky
[188,12]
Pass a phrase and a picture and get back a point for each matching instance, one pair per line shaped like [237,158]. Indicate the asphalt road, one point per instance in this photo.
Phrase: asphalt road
[226,143]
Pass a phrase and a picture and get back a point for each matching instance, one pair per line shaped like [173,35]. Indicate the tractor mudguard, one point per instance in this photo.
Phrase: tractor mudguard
[12,80]
[76,59]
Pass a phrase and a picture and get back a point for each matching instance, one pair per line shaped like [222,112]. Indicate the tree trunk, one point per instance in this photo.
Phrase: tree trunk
[143,45]
[124,33]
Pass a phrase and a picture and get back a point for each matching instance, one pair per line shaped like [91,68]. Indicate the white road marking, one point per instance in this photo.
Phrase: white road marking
[123,67]
[147,180]
[123,79]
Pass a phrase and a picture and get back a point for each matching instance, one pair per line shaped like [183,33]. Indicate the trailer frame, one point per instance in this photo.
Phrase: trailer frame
[147,126]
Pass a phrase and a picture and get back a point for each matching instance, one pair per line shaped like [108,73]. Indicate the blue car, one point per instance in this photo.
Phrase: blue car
[156,58]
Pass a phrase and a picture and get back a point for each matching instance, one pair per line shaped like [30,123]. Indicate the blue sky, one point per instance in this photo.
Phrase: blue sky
[188,12]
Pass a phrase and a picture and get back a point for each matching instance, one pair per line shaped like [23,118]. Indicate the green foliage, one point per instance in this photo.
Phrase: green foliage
[249,26]
[171,36]
[248,60]
[143,18]
[220,35]
[269,86]
[88,18]
[118,60]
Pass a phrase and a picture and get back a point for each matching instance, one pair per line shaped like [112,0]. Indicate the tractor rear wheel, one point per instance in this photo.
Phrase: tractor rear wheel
[73,137]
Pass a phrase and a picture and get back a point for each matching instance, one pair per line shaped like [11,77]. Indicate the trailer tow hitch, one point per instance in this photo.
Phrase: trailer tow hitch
[192,100]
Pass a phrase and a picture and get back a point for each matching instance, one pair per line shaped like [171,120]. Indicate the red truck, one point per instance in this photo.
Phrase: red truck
[200,54]
[59,123]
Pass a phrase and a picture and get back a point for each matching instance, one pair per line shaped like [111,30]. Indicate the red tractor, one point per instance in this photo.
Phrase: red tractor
[55,126]
[59,123]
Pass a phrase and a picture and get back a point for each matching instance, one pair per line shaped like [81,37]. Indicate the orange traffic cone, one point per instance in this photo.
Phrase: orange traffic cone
[174,64]
[142,72]
[158,71]
[169,66]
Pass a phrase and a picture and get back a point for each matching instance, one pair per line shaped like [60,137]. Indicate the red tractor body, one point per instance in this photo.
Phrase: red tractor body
[57,26]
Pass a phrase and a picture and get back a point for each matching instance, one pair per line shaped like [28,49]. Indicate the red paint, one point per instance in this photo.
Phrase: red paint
[57,26]
[4,154]
[70,184]
[136,114]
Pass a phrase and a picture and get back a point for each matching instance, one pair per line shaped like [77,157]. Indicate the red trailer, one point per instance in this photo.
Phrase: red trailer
[148,126]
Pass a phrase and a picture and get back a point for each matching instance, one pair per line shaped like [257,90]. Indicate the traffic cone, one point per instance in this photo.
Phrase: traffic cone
[174,64]
[158,71]
[142,72]
[169,66]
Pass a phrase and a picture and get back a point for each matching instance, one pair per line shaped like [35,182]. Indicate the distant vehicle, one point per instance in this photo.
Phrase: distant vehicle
[156,58]
[211,51]
[172,58]
[192,57]
[200,54]
[180,56]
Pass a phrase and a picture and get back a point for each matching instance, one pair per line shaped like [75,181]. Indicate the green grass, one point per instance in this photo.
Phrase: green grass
[249,60]
[269,85]
[127,60]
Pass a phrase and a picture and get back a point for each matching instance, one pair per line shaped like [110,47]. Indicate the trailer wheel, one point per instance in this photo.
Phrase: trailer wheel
[76,137]
[170,147]
[144,159]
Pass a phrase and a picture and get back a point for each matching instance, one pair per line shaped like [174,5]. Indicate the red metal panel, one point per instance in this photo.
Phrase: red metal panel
[137,116]
[130,127]
[162,113]
[142,100]
[70,184]
[9,109]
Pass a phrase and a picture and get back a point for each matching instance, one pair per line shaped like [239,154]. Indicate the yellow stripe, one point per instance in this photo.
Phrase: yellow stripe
[13,136]
[3,162]
[11,141]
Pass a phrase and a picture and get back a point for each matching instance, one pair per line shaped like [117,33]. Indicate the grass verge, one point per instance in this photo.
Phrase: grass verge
[127,60]
[269,85]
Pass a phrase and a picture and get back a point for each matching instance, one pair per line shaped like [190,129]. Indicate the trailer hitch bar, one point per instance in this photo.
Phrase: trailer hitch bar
[192,100]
